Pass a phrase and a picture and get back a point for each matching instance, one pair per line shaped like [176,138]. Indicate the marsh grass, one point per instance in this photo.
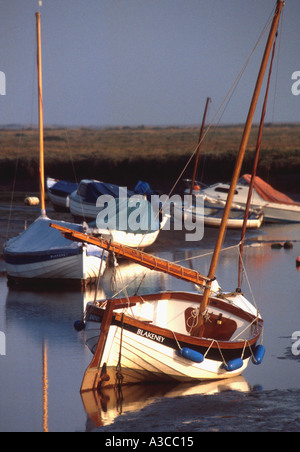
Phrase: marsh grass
[158,153]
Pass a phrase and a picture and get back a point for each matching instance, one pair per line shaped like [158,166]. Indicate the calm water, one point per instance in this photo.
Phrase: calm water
[41,373]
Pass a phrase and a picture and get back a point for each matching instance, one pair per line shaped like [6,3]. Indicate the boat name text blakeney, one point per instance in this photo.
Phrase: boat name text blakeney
[152,336]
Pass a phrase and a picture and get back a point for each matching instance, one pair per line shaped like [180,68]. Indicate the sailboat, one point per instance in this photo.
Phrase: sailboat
[176,336]
[40,254]
[132,222]
[252,192]
[128,218]
[277,207]
[211,211]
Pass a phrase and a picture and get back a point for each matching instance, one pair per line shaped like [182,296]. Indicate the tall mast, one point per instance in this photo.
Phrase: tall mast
[239,161]
[257,152]
[199,144]
[41,114]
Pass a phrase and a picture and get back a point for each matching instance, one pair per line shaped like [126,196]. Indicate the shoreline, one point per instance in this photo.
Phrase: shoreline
[158,155]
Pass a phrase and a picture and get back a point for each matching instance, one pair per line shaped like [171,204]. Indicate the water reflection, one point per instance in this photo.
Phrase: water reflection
[128,277]
[38,312]
[46,358]
[45,352]
[104,406]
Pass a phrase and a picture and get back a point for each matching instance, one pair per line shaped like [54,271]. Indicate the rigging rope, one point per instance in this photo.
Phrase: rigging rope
[226,100]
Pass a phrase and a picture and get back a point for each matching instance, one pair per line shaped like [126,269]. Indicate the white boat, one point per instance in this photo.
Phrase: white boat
[276,206]
[212,212]
[132,239]
[83,201]
[117,221]
[158,345]
[160,337]
[128,221]
[40,254]
[59,193]
[176,336]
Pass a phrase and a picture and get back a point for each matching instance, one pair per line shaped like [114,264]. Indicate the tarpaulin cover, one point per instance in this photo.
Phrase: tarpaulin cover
[39,237]
[62,188]
[95,189]
[269,193]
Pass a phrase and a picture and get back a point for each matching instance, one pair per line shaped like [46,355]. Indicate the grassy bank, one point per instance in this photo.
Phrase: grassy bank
[158,154]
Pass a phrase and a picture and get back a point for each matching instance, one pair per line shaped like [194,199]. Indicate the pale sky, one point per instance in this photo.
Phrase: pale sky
[143,62]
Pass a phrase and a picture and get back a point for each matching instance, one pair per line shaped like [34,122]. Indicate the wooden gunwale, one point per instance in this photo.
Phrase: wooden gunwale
[184,296]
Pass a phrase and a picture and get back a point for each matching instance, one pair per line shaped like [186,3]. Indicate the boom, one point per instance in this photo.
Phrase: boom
[139,257]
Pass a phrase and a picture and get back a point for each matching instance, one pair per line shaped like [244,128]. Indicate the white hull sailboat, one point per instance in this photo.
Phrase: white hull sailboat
[153,332]
[210,210]
[181,336]
[41,254]
[130,239]
[211,215]
[160,337]
[277,207]
[83,201]
[129,221]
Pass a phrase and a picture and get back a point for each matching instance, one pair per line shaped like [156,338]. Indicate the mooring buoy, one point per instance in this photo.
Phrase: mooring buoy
[31,201]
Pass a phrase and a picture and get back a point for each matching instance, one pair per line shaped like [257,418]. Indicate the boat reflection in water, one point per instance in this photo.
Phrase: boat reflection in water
[103,407]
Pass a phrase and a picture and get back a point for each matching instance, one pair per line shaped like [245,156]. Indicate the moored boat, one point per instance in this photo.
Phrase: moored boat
[277,207]
[155,335]
[211,214]
[59,193]
[39,254]
[210,334]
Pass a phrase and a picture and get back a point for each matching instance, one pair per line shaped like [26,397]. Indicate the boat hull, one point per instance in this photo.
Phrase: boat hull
[144,362]
[83,210]
[59,193]
[129,239]
[60,203]
[42,253]
[79,268]
[144,352]
[213,217]
[274,212]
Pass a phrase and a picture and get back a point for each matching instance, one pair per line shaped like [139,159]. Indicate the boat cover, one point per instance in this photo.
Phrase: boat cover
[40,238]
[269,193]
[95,189]
[62,188]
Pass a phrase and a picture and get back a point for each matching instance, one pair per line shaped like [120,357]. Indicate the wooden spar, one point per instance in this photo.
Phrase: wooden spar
[41,114]
[137,256]
[94,373]
[199,145]
[239,161]
[257,152]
